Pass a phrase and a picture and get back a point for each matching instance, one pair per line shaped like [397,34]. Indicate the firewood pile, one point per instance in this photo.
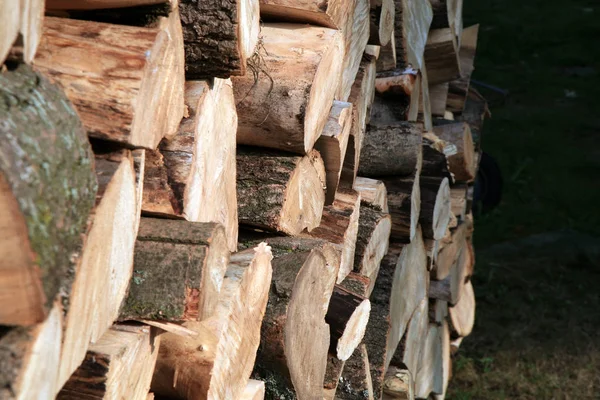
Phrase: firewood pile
[235,199]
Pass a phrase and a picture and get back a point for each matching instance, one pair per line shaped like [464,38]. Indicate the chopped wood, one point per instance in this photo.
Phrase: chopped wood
[391,150]
[47,190]
[425,100]
[339,226]
[372,51]
[372,240]
[372,191]
[294,343]
[254,390]
[70,53]
[430,362]
[330,13]
[463,163]
[398,384]
[447,13]
[459,89]
[441,56]
[440,382]
[404,202]
[462,315]
[200,367]
[280,191]
[10,22]
[435,206]
[347,316]
[435,162]
[412,112]
[169,327]
[438,309]
[458,200]
[396,82]
[120,364]
[449,253]
[358,284]
[382,17]
[438,97]
[102,4]
[387,56]
[226,41]
[193,175]
[356,377]
[21,29]
[409,349]
[297,77]
[193,255]
[332,145]
[30,358]
[411,27]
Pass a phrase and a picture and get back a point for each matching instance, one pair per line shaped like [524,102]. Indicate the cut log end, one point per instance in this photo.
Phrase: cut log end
[354,332]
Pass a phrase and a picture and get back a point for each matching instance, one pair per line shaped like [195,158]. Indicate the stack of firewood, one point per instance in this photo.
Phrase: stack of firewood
[235,199]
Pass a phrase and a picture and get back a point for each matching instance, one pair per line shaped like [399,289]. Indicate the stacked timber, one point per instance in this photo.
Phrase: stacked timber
[196,205]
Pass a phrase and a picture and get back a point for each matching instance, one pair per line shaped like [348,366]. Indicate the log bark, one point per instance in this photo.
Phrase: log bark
[382,15]
[372,240]
[332,145]
[21,29]
[219,36]
[178,271]
[292,358]
[435,206]
[409,349]
[106,262]
[119,365]
[430,363]
[438,98]
[404,202]
[435,162]
[447,13]
[339,226]
[29,358]
[283,103]
[440,382]
[463,163]
[392,150]
[459,88]
[347,316]
[47,190]
[475,112]
[358,284]
[193,175]
[398,384]
[411,27]
[387,56]
[356,377]
[449,253]
[334,14]
[373,192]
[462,315]
[390,110]
[333,373]
[279,191]
[82,56]
[441,56]
[254,390]
[216,364]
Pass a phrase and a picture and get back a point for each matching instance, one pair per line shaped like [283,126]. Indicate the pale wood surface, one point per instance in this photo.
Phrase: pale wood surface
[372,191]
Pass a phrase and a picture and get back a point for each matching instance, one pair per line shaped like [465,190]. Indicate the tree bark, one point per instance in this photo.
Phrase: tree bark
[356,377]
[339,226]
[193,175]
[424,112]
[332,145]
[392,150]
[397,82]
[178,270]
[404,202]
[381,21]
[283,102]
[459,88]
[372,240]
[441,56]
[462,315]
[463,163]
[438,98]
[387,56]
[119,365]
[435,206]
[279,191]
[47,190]
[218,361]
[411,27]
[333,373]
[373,192]
[219,36]
[434,161]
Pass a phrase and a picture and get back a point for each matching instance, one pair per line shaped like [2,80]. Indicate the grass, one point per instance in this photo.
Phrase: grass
[538,308]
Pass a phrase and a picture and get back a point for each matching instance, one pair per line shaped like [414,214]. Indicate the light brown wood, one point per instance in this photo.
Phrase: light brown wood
[330,14]
[332,145]
[47,190]
[137,107]
[101,4]
[409,349]
[425,100]
[459,89]
[254,390]
[430,363]
[25,20]
[10,22]
[398,384]
[372,51]
[372,240]
[339,226]
[30,358]
[333,373]
[283,101]
[382,21]
[449,253]
[412,113]
[411,27]
[463,163]
[458,200]
[193,175]
[441,56]
[404,202]
[201,367]
[279,191]
[451,288]
[387,56]
[435,206]
[438,97]
[438,309]
[462,315]
[440,382]
[401,81]
[356,377]
[120,365]
[106,262]
[372,191]
[447,13]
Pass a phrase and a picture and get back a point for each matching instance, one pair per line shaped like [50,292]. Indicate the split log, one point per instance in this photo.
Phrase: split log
[294,343]
[430,363]
[372,240]
[409,349]
[178,271]
[398,384]
[356,377]
[254,390]
[356,37]
[382,21]
[441,56]
[458,200]
[10,22]
[435,206]
[462,315]
[412,112]
[404,202]
[475,111]
[333,373]
[387,56]
[391,150]
[106,263]
[219,36]
[440,381]
[358,284]
[449,254]
[361,96]
[47,189]
[438,98]
[217,363]
[280,191]
[390,110]
[372,191]
[284,102]
[455,345]
[82,57]
[194,175]
[332,145]
[450,289]
[411,27]
[435,162]
[339,226]
[30,358]
[447,13]
[396,82]
[459,89]
[372,52]
[347,317]
[333,14]
[425,100]
[119,365]
[438,309]
[21,29]
[463,163]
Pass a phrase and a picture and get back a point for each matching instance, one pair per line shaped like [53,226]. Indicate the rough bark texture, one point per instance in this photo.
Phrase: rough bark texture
[411,27]
[392,150]
[372,240]
[434,161]
[335,366]
[47,190]
[345,316]
[435,206]
[356,382]
[404,202]
[381,22]
[441,56]
[387,55]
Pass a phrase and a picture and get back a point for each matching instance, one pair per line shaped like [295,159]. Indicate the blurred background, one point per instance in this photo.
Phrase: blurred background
[537,278]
